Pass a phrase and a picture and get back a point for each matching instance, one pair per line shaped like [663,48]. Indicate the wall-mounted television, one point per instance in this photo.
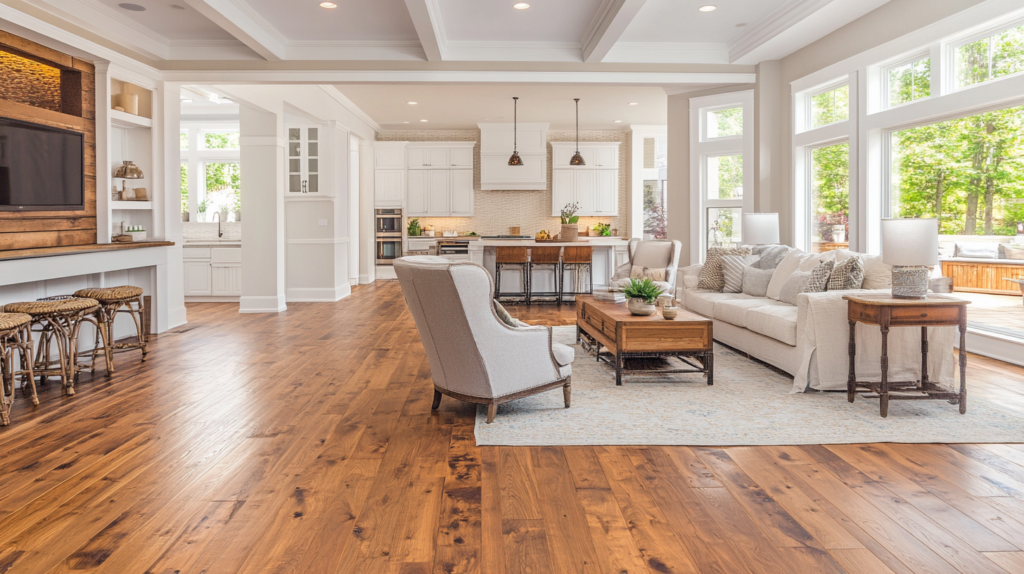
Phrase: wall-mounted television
[41,168]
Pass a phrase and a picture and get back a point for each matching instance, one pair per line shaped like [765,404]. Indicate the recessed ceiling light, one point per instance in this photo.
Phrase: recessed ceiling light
[634,103]
[328,5]
[741,25]
[424,120]
[520,5]
[412,103]
[708,8]
[405,122]
[177,6]
[132,7]
[618,121]
[186,101]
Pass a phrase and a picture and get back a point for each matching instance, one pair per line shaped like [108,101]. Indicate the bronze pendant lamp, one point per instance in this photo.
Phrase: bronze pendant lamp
[515,159]
[577,159]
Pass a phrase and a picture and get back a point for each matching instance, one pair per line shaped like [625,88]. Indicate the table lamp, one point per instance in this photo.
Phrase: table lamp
[910,246]
[760,228]
[127,170]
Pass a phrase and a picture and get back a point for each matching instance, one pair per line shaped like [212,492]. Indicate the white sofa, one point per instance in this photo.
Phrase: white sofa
[810,340]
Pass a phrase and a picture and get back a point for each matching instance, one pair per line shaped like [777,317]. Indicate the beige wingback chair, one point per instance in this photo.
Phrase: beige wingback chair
[474,356]
[653,254]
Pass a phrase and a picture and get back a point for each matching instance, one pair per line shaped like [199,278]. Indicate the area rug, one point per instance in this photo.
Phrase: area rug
[749,404]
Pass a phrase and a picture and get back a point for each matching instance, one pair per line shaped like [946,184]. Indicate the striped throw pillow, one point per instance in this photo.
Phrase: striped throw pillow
[732,273]
[711,276]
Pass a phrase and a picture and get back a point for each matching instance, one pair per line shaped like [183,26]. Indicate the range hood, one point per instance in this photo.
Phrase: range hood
[496,142]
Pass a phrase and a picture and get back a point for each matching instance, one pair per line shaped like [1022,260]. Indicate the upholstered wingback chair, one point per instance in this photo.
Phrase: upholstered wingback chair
[474,356]
[652,254]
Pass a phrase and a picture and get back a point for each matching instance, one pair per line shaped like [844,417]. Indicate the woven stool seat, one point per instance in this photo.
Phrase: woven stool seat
[51,307]
[10,321]
[104,294]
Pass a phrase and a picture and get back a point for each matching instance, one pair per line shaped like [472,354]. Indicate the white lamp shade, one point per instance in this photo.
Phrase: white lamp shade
[910,242]
[760,228]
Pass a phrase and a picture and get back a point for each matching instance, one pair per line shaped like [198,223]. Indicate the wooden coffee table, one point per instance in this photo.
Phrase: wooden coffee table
[629,336]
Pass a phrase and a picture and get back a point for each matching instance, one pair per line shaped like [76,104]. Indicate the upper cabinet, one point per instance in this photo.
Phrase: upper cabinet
[304,150]
[389,155]
[440,179]
[389,175]
[440,155]
[594,186]
[496,144]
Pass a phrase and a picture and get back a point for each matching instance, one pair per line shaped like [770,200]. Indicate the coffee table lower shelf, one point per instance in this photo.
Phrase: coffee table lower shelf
[706,360]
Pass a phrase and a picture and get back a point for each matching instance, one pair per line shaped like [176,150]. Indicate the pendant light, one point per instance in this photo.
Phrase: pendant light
[577,159]
[515,159]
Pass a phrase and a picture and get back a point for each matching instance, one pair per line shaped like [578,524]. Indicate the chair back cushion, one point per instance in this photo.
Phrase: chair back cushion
[653,254]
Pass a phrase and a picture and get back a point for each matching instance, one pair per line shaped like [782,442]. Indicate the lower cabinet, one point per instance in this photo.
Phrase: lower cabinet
[226,280]
[215,272]
[197,278]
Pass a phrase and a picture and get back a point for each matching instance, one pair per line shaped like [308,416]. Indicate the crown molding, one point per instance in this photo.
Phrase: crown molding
[355,50]
[668,53]
[426,18]
[774,23]
[351,106]
[482,51]
[607,26]
[109,23]
[240,20]
[211,50]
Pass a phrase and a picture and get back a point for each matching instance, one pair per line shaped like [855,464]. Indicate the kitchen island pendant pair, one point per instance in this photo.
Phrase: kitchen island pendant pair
[577,159]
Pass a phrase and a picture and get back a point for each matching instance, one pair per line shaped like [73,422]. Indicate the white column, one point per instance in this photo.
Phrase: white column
[103,173]
[367,241]
[262,166]
[167,215]
[353,208]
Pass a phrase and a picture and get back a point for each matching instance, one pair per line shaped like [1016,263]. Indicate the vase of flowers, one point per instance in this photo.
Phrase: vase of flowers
[570,222]
[641,296]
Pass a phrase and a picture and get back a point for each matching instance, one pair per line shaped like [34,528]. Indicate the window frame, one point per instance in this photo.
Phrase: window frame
[950,47]
[885,86]
[807,111]
[197,159]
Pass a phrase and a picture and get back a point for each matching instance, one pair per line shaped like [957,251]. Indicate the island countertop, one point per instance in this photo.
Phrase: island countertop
[590,242]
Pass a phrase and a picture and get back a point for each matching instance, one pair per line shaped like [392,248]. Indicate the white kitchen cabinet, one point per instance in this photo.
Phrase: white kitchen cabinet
[389,155]
[197,278]
[595,154]
[304,151]
[563,190]
[431,193]
[226,279]
[461,182]
[389,187]
[427,156]
[438,193]
[416,198]
[460,157]
[594,186]
[606,192]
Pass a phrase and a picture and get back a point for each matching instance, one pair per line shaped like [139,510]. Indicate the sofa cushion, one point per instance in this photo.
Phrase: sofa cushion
[848,274]
[984,250]
[732,271]
[789,265]
[711,277]
[755,281]
[703,302]
[770,256]
[775,321]
[564,354]
[877,275]
[734,311]
[1013,252]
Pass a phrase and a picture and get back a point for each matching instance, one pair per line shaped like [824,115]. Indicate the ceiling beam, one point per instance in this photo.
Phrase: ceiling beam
[237,19]
[606,29]
[426,17]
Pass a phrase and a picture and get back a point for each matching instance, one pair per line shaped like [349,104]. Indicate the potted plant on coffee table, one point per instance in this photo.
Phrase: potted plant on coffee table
[570,222]
[641,294]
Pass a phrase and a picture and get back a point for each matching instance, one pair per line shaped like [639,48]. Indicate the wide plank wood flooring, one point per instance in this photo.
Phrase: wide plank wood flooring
[303,442]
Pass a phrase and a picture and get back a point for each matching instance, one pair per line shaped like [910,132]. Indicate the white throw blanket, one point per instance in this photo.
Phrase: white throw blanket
[825,352]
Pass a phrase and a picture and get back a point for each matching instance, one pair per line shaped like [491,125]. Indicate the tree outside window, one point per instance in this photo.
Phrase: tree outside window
[830,107]
[220,140]
[725,123]
[184,187]
[967,172]
[989,58]
[223,189]
[910,81]
[830,197]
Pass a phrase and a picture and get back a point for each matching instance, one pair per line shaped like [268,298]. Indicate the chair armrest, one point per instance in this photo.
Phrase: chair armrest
[691,274]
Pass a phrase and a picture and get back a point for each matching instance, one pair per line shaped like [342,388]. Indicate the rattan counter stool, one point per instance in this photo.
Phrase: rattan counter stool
[544,257]
[505,257]
[579,260]
[114,300]
[57,320]
[15,336]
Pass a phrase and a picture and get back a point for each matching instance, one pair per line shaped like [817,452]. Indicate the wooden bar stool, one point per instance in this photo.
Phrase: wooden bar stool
[511,257]
[544,257]
[15,334]
[579,260]
[114,300]
[58,320]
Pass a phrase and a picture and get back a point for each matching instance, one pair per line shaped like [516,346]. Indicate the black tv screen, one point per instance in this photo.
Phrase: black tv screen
[41,168]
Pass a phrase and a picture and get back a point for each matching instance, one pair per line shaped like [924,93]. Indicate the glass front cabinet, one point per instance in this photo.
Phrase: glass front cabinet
[305,147]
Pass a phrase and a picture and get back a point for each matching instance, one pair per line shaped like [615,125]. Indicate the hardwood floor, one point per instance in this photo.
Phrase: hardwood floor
[303,442]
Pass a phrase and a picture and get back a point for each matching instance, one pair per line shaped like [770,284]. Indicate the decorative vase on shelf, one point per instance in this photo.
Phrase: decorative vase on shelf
[184,217]
[637,306]
[570,232]
[839,233]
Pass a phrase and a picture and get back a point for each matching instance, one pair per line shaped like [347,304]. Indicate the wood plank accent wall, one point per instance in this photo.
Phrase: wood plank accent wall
[976,277]
[77,113]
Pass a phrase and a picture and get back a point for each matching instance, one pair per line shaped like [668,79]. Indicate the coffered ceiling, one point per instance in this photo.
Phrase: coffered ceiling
[591,31]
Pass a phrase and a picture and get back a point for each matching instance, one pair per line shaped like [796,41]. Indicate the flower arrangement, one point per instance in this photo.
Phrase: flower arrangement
[569,213]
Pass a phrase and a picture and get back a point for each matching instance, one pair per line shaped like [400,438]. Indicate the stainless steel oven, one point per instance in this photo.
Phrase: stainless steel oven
[388,228]
[388,222]
[453,249]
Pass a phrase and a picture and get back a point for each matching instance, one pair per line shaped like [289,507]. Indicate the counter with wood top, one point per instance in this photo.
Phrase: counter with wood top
[70,249]
[609,253]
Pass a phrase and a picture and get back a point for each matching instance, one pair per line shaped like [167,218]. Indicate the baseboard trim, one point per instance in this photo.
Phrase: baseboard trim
[319,295]
[176,318]
[212,299]
[364,280]
[993,345]
[262,304]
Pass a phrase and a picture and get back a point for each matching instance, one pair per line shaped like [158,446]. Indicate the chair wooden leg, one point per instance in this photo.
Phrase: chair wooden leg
[437,400]
[567,391]
[492,409]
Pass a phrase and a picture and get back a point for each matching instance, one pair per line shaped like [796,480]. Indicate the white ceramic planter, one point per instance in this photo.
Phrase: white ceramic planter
[637,306]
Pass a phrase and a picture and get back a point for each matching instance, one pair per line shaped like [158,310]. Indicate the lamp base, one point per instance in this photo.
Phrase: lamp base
[910,281]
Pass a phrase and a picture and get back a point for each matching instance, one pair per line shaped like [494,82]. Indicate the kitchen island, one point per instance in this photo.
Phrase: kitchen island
[609,253]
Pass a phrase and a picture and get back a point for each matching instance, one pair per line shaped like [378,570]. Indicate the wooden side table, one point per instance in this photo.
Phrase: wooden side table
[885,311]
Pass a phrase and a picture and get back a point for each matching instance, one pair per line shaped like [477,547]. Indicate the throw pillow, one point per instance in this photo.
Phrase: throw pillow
[819,277]
[789,265]
[755,281]
[977,250]
[1013,251]
[504,316]
[877,275]
[639,272]
[771,256]
[793,286]
[711,276]
[732,271]
[847,275]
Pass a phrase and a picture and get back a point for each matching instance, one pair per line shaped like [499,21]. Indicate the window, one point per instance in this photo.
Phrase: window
[210,174]
[223,191]
[830,197]
[220,139]
[908,81]
[655,186]
[184,186]
[724,123]
[184,140]
[830,107]
[725,177]
[995,56]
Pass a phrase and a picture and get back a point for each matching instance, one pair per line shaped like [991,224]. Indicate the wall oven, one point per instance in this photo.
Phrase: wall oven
[388,229]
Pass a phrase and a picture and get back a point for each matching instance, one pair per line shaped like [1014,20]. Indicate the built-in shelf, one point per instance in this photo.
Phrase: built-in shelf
[125,120]
[131,205]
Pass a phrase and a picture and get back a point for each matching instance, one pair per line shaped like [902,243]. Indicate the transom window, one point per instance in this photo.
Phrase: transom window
[994,56]
[830,107]
[908,81]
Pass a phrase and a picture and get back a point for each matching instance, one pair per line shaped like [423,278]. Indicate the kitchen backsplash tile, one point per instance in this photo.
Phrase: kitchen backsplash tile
[208,231]
[495,211]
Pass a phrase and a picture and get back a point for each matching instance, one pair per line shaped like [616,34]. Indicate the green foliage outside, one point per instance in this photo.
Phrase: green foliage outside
[655,212]
[184,140]
[830,107]
[990,58]
[223,186]
[910,81]
[727,171]
[184,188]
[830,191]
[223,140]
[725,123]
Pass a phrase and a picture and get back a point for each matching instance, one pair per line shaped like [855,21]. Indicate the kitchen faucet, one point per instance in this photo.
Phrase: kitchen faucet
[216,215]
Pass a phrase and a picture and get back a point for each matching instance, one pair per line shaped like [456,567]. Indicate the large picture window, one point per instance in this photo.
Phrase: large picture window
[830,197]
[210,173]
